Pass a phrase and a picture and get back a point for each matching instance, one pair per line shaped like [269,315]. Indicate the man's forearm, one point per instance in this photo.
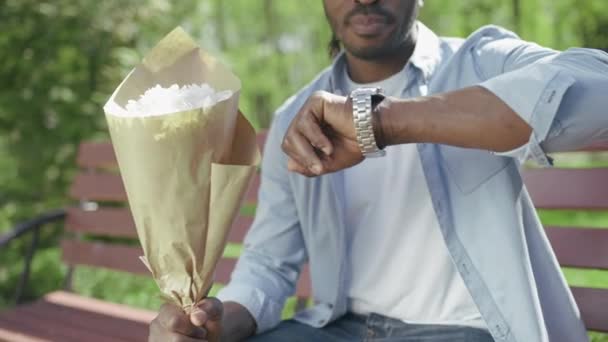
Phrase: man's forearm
[472,117]
[237,323]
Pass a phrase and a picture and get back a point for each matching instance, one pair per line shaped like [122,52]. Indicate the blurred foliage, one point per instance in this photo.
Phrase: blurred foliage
[60,60]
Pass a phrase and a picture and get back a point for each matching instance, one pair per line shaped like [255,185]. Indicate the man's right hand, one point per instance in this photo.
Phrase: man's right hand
[173,325]
[322,137]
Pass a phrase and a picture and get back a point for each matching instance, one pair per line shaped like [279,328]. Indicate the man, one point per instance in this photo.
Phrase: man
[435,240]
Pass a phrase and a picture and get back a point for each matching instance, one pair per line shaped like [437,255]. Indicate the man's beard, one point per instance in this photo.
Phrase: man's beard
[375,52]
[397,43]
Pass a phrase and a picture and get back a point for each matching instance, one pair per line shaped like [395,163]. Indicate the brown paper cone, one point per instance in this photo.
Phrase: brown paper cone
[185,173]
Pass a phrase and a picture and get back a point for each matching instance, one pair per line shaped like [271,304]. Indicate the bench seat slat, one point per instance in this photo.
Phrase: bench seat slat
[68,317]
[98,326]
[121,322]
[10,333]
[580,247]
[568,188]
[121,311]
[593,304]
[19,320]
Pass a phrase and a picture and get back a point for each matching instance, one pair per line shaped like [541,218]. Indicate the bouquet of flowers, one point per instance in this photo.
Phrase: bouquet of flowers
[186,155]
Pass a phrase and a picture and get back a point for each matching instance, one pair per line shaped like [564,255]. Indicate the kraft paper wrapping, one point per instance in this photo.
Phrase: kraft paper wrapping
[185,173]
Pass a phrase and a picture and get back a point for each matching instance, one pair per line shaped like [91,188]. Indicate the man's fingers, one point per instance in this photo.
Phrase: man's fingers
[175,320]
[293,166]
[214,330]
[198,317]
[300,150]
[174,337]
[214,310]
[311,130]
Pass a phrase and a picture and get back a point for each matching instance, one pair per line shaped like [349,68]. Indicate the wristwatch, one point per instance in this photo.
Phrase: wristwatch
[363,101]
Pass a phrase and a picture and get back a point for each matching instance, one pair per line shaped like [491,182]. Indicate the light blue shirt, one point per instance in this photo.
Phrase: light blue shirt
[486,217]
[388,210]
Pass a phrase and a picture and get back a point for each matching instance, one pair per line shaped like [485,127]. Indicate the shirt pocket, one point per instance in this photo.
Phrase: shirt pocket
[470,168]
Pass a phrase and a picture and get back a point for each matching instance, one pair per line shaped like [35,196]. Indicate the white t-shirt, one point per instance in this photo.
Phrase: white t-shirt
[399,265]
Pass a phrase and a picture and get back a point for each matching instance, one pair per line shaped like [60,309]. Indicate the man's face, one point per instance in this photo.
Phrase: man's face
[371,29]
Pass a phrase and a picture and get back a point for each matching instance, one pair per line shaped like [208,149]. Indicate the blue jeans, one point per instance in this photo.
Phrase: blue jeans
[352,327]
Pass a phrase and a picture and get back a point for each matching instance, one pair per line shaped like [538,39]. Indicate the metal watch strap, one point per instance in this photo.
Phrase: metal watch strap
[362,117]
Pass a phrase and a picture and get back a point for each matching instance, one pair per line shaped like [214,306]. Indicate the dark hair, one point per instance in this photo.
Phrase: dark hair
[334,46]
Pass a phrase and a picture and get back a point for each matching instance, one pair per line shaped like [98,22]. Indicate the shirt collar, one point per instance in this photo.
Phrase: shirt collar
[427,53]
[426,58]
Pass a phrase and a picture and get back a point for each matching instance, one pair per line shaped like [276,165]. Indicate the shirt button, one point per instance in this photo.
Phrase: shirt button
[330,305]
[500,330]
[465,269]
[321,321]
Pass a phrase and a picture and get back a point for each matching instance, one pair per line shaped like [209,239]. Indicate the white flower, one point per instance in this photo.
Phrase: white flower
[159,100]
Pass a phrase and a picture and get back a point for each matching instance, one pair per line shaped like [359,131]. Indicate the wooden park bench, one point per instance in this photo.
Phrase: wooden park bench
[99,211]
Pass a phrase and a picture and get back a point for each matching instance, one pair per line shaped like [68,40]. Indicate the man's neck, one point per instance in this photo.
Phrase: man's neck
[369,71]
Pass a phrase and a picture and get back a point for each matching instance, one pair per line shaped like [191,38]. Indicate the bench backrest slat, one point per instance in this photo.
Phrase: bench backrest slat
[123,258]
[118,222]
[94,155]
[108,187]
[251,196]
[583,189]
[112,256]
[97,186]
[239,228]
[261,139]
[113,222]
[580,247]
[593,304]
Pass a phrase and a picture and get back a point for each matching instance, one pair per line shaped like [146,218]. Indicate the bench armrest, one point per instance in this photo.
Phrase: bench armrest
[20,229]
[30,225]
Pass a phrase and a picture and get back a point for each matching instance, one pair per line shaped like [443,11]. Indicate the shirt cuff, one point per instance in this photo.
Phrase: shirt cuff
[265,311]
[535,94]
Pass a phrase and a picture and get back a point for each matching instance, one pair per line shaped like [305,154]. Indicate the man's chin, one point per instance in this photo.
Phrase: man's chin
[369,53]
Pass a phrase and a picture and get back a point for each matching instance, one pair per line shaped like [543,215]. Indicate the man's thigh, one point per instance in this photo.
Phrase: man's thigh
[349,329]
[437,333]
[290,331]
